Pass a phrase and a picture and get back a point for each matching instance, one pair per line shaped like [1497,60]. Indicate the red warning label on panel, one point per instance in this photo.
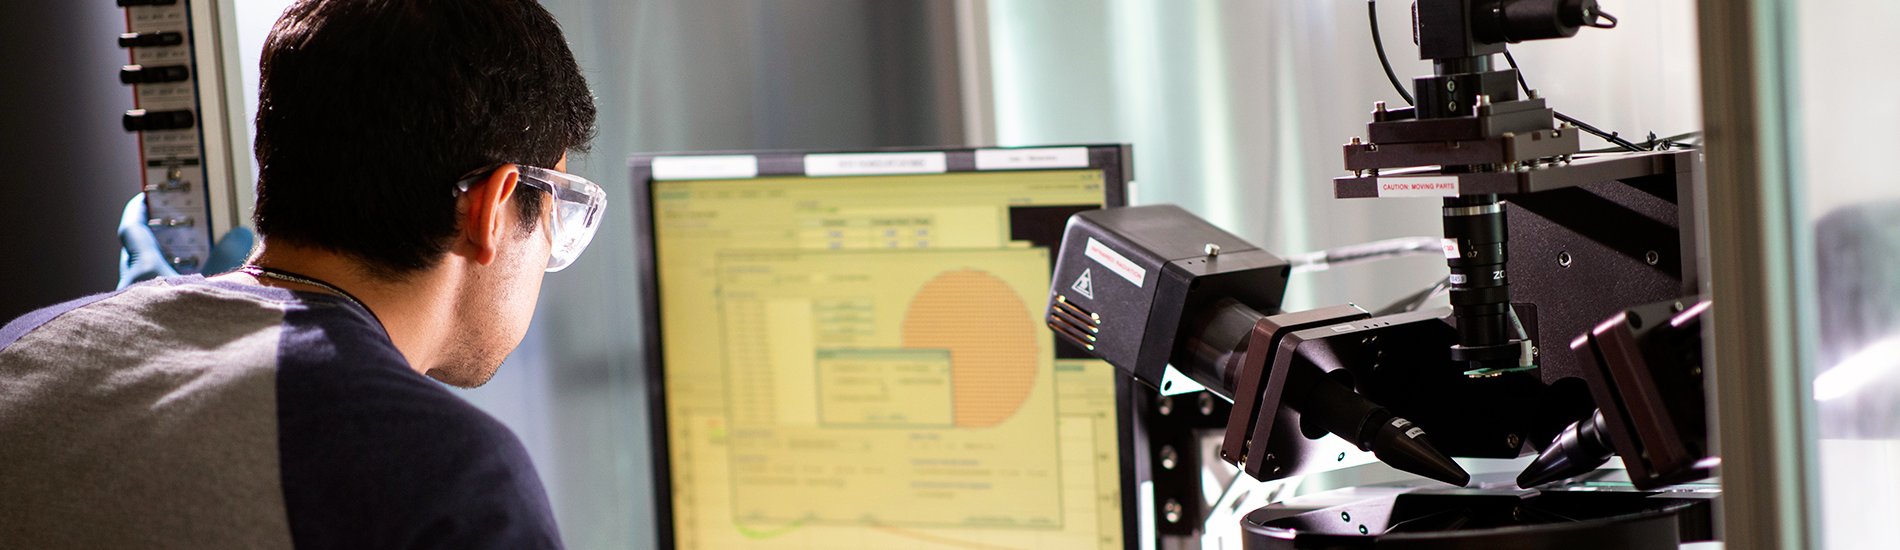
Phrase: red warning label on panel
[1115,262]
[1419,186]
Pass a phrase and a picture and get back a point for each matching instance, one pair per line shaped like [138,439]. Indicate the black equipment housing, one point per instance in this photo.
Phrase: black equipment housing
[1166,250]
[1551,243]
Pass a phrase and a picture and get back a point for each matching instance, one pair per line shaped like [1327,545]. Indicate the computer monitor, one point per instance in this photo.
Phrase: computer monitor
[846,350]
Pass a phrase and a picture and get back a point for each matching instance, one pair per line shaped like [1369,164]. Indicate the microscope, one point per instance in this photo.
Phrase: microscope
[1573,332]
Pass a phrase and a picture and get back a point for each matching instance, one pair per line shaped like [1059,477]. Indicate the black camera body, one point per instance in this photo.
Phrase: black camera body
[1127,281]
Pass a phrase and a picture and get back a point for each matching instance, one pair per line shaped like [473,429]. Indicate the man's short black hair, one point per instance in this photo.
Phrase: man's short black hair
[369,111]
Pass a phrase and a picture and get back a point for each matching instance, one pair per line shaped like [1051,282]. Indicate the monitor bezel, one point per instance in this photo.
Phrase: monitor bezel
[1114,160]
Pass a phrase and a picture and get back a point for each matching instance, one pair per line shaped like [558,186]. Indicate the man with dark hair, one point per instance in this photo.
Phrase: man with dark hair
[410,197]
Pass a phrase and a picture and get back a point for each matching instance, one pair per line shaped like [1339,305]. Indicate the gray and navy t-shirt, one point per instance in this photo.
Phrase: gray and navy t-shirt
[190,413]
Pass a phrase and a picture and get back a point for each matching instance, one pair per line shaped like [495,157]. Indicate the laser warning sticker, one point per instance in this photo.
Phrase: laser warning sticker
[1085,285]
[1116,262]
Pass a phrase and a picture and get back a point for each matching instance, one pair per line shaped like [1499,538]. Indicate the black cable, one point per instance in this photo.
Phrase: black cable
[1412,302]
[1378,44]
[1521,83]
[1607,136]
[1656,144]
[1585,126]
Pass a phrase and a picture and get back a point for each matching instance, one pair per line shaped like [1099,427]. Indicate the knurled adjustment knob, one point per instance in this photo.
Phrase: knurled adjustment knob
[151,39]
[138,120]
[140,74]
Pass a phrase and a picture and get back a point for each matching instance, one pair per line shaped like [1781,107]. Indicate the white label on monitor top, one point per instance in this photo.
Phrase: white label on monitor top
[1032,159]
[873,164]
[1116,262]
[1418,186]
[710,167]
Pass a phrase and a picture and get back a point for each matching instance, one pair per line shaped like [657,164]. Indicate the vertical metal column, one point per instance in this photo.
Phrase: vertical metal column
[1759,390]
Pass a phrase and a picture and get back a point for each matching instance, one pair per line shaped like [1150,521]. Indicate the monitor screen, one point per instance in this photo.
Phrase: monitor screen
[860,361]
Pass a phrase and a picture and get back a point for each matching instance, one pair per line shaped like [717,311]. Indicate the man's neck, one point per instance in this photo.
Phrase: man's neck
[414,310]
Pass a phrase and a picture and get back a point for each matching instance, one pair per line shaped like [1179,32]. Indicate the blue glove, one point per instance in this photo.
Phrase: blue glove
[232,250]
[140,258]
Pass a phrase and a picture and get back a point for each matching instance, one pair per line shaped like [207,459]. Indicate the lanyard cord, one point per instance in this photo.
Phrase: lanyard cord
[290,276]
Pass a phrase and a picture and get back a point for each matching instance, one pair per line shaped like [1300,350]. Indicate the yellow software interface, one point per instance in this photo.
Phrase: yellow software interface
[860,362]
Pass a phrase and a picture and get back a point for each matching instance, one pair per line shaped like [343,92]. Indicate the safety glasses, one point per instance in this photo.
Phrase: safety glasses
[578,206]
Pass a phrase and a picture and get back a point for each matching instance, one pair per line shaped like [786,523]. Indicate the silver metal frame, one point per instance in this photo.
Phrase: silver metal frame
[1762,415]
[973,70]
[226,127]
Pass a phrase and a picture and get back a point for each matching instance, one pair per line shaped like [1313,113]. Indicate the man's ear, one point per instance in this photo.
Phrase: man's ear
[484,217]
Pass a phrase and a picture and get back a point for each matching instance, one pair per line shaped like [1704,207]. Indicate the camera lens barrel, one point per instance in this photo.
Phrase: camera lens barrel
[1516,21]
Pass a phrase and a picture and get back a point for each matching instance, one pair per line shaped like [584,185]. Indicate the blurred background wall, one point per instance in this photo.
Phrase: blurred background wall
[74,167]
[1845,239]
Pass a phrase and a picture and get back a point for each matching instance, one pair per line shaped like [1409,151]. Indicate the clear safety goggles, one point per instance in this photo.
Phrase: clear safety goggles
[578,206]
